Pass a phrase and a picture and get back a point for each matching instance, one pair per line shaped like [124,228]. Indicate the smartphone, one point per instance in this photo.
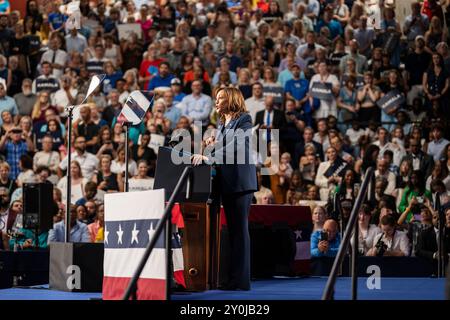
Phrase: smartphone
[323,236]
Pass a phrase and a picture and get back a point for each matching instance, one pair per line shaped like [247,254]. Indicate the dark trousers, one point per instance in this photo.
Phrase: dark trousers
[237,208]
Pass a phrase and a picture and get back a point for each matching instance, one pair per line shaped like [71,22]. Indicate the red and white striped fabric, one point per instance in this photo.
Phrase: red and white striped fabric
[130,222]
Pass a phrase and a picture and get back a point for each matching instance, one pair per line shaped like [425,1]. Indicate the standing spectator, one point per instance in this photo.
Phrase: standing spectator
[75,42]
[388,118]
[66,96]
[144,152]
[347,105]
[436,83]
[365,37]
[326,180]
[15,144]
[307,51]
[270,118]
[46,81]
[360,60]
[416,24]
[327,107]
[416,65]
[438,145]
[26,99]
[435,34]
[368,96]
[56,58]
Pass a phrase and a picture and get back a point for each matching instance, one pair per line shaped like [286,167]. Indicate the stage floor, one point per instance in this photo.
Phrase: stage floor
[273,289]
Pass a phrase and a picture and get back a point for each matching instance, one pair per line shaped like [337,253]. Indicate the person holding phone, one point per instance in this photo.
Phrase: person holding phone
[325,242]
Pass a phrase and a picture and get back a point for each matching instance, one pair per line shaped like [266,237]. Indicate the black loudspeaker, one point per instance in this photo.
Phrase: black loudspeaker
[38,206]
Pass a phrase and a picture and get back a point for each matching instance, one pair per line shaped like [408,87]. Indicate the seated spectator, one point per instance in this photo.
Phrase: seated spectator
[383,171]
[367,231]
[5,180]
[86,160]
[319,216]
[296,189]
[162,79]
[308,164]
[141,181]
[47,157]
[326,178]
[82,214]
[439,172]
[326,242]
[91,193]
[78,181]
[390,242]
[98,224]
[158,119]
[118,164]
[196,106]
[427,240]
[26,174]
[105,179]
[78,231]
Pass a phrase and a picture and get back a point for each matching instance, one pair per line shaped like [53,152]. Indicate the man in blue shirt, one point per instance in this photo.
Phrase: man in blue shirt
[326,242]
[163,78]
[78,230]
[297,89]
[196,106]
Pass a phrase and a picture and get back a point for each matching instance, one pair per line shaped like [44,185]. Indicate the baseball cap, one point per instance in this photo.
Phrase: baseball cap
[175,81]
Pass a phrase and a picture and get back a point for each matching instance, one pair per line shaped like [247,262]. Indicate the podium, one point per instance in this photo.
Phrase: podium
[200,238]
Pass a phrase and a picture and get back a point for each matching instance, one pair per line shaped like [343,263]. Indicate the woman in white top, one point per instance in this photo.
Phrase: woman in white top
[118,164]
[142,181]
[396,243]
[89,52]
[112,51]
[327,184]
[367,231]
[77,184]
[327,107]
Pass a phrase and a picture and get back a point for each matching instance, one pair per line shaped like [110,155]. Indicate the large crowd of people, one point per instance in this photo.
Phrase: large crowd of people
[386,105]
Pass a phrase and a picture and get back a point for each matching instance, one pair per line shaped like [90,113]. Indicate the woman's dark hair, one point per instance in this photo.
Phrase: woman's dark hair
[420,181]
[367,160]
[440,63]
[388,220]
[58,127]
[185,56]
[26,161]
[299,175]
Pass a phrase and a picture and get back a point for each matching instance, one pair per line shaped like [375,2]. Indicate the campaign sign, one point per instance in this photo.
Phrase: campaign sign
[321,90]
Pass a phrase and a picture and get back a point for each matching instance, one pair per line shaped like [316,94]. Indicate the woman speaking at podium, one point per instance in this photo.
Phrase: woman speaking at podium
[235,180]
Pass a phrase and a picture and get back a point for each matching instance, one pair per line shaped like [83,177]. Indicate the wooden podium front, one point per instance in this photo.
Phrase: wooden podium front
[199,252]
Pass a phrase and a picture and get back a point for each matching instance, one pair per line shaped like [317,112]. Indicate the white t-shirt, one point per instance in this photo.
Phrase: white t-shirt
[140,184]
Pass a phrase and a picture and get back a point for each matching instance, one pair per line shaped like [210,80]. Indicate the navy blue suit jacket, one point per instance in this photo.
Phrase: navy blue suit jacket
[236,177]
